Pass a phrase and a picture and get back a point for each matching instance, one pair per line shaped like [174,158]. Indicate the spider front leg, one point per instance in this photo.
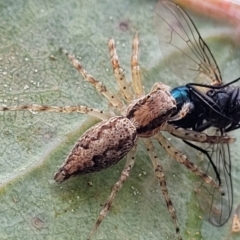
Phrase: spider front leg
[117,186]
[68,109]
[190,135]
[99,86]
[181,158]
[161,177]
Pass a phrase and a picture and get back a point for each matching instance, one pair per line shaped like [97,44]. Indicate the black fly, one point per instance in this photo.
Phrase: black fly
[214,105]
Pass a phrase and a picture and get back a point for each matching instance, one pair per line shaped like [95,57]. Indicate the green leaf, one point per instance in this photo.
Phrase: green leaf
[34,145]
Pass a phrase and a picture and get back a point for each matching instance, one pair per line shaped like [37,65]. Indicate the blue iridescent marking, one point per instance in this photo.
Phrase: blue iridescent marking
[181,95]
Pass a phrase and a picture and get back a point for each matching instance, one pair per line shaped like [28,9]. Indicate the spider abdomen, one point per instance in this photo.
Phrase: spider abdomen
[101,146]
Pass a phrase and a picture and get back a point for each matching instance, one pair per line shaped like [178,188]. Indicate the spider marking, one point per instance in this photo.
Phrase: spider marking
[137,115]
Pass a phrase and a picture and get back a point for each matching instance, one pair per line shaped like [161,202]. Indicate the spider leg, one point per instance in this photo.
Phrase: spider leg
[195,136]
[99,86]
[68,109]
[161,177]
[117,186]
[118,72]
[181,158]
[136,75]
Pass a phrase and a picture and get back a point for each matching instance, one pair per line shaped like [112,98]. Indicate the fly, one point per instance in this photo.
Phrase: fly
[213,105]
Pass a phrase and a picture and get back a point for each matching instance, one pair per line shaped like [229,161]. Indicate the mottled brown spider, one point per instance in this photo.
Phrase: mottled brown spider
[137,116]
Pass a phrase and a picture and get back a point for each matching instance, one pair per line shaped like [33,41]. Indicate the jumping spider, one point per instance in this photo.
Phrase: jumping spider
[137,115]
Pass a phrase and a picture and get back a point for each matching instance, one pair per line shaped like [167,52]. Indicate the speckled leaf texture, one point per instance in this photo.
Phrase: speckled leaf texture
[34,145]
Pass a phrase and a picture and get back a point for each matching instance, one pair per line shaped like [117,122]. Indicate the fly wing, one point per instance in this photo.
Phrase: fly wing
[177,34]
[217,164]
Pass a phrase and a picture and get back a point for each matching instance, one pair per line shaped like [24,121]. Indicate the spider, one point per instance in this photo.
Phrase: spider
[137,116]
